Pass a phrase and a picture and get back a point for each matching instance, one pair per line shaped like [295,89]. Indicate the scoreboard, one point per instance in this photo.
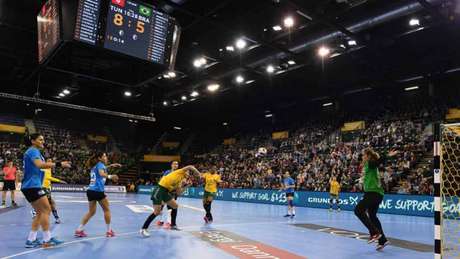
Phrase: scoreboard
[129,27]
[139,30]
[48,26]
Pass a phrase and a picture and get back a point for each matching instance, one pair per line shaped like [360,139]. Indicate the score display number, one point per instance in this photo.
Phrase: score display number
[118,21]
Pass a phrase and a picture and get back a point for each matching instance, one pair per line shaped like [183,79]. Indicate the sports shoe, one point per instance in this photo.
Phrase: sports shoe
[374,238]
[80,233]
[330,209]
[174,227]
[14,204]
[167,225]
[287,215]
[53,242]
[292,216]
[57,221]
[144,232]
[206,220]
[381,246]
[33,244]
[3,204]
[160,223]
[338,210]
[110,233]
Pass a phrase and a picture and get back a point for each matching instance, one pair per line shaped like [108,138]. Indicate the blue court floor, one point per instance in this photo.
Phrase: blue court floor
[240,230]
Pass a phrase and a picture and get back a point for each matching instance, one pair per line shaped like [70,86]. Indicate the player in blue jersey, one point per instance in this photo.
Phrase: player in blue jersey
[32,188]
[169,218]
[288,186]
[95,193]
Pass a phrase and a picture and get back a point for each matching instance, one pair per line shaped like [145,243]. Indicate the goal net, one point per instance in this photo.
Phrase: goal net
[449,190]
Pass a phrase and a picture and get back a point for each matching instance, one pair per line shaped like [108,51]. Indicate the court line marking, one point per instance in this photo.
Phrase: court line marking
[192,208]
[123,234]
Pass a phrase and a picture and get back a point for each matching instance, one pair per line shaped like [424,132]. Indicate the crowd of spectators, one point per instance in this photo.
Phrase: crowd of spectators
[315,153]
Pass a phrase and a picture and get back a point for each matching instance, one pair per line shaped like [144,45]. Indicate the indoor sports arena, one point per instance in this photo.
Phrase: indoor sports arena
[306,129]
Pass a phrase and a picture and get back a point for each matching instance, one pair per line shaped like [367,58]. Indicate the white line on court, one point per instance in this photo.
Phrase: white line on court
[126,234]
[192,208]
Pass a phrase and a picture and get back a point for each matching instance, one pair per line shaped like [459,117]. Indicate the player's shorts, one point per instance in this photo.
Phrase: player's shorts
[48,193]
[160,195]
[33,194]
[333,196]
[289,194]
[209,194]
[9,185]
[95,196]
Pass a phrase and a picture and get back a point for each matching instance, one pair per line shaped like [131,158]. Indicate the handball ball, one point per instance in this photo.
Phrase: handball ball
[262,150]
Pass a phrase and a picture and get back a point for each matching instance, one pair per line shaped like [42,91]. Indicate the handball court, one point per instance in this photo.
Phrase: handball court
[240,230]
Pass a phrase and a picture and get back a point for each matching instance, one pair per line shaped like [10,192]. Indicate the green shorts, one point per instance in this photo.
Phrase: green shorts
[208,194]
[160,194]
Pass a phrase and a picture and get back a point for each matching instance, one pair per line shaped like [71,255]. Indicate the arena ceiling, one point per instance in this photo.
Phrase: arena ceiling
[373,45]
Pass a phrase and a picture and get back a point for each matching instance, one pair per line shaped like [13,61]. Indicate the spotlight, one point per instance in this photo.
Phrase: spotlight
[270,69]
[268,115]
[230,48]
[165,103]
[414,22]
[183,98]
[277,28]
[177,128]
[225,123]
[128,93]
[412,88]
[291,62]
[288,22]
[239,79]
[61,94]
[327,104]
[213,87]
[172,74]
[240,44]
[199,62]
[66,91]
[323,51]
[194,94]
[352,43]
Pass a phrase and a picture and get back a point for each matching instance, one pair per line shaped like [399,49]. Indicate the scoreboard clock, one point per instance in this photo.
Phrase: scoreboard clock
[139,30]
[126,26]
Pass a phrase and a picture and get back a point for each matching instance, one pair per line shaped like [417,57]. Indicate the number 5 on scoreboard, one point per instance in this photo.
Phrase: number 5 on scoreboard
[140,27]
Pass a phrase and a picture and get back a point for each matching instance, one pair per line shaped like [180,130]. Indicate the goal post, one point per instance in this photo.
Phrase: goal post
[446,173]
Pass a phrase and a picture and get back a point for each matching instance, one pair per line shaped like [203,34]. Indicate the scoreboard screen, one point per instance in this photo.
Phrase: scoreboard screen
[48,26]
[141,31]
[87,21]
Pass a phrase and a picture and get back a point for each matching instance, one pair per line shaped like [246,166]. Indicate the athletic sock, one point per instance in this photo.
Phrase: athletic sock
[168,217]
[173,217]
[108,227]
[293,211]
[46,236]
[81,227]
[32,236]
[207,208]
[148,221]
[55,214]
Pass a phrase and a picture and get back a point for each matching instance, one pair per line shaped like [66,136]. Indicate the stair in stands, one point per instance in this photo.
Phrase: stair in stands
[130,175]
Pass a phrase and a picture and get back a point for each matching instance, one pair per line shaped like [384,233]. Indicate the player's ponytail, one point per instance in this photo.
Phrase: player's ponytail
[28,138]
[93,160]
[371,155]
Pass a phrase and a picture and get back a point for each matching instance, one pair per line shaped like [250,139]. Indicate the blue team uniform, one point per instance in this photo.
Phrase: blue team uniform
[33,176]
[97,182]
[289,181]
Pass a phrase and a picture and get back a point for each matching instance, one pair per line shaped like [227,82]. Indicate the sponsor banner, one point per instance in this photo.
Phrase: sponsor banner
[242,247]
[413,205]
[83,188]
